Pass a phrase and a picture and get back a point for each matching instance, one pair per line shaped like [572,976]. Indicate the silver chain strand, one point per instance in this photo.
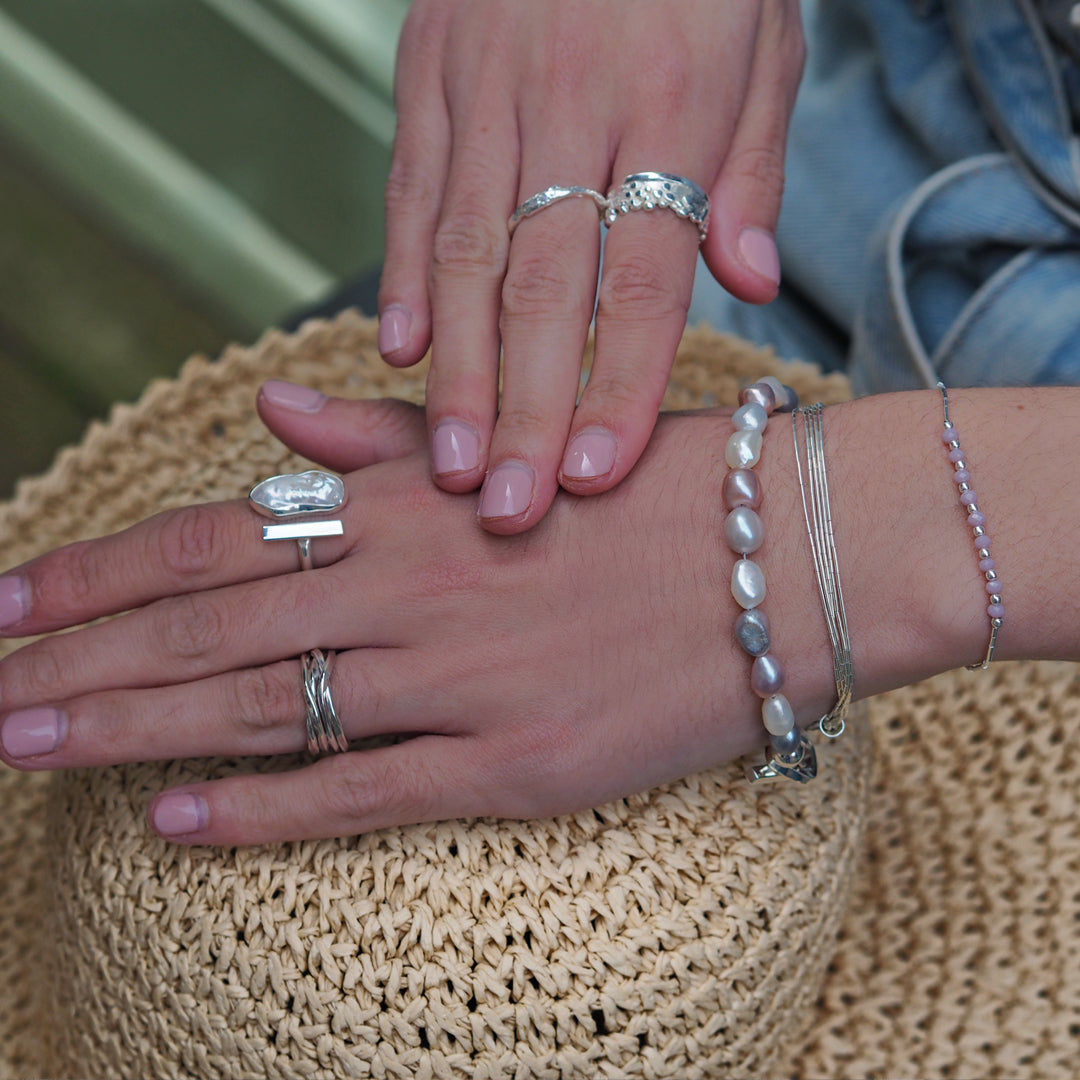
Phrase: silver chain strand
[819,526]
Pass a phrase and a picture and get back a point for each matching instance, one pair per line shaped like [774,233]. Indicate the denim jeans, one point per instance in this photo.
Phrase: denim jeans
[931,223]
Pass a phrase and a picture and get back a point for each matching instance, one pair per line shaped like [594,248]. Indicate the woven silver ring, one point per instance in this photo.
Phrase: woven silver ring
[548,197]
[324,731]
[660,191]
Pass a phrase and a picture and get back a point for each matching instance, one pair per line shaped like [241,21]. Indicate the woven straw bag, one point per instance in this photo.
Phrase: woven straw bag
[915,918]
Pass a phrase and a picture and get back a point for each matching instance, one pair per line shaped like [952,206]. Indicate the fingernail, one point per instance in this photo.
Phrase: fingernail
[33,731]
[508,491]
[179,814]
[758,250]
[394,325]
[14,600]
[591,453]
[291,396]
[455,447]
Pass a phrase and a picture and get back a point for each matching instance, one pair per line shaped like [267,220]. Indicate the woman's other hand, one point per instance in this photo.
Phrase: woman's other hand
[500,99]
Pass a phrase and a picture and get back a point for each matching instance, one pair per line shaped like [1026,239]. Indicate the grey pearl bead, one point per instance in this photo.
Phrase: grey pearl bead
[788,747]
[766,676]
[752,632]
[743,530]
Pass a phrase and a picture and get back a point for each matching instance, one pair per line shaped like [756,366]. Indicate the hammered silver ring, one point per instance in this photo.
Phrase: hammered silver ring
[660,191]
[548,197]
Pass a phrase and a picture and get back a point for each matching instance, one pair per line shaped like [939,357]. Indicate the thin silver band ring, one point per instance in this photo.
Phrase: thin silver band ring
[543,199]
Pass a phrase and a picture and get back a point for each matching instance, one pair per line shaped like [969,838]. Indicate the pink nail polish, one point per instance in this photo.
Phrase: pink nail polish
[31,732]
[508,491]
[14,600]
[394,325]
[758,250]
[591,453]
[455,447]
[179,814]
[289,395]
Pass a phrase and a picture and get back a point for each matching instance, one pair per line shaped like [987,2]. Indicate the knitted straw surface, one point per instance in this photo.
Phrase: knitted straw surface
[957,958]
[683,932]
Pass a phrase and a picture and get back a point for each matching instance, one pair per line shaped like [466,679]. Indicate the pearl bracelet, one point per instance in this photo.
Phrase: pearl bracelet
[790,753]
[977,520]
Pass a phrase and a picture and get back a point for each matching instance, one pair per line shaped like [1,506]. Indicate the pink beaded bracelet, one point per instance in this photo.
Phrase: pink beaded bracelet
[977,520]
[790,754]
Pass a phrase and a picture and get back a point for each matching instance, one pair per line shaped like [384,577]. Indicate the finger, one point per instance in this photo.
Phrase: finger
[547,305]
[184,638]
[429,778]
[414,188]
[740,249]
[339,434]
[648,276]
[174,552]
[468,265]
[255,711]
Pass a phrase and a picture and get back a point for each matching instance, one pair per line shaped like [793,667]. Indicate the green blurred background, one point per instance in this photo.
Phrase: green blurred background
[175,174]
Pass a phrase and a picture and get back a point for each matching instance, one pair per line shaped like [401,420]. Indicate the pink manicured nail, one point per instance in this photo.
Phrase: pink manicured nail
[591,453]
[291,396]
[33,731]
[508,491]
[394,325]
[455,447]
[178,814]
[14,600]
[758,250]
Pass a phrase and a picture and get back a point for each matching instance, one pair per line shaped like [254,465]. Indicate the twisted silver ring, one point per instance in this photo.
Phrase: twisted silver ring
[660,191]
[303,496]
[324,731]
[550,195]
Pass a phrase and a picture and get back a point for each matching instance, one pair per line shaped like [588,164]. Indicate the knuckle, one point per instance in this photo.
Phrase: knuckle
[78,577]
[359,794]
[620,392]
[640,288]
[188,542]
[37,674]
[190,628]
[466,241]
[540,287]
[407,184]
[762,167]
[264,698]
[665,77]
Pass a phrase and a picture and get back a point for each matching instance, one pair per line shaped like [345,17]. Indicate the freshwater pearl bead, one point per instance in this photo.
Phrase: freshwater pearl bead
[758,394]
[750,417]
[766,676]
[743,449]
[777,715]
[743,530]
[742,488]
[788,746]
[747,583]
[786,398]
[752,632]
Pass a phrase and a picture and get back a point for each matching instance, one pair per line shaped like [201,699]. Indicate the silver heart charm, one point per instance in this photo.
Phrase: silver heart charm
[298,494]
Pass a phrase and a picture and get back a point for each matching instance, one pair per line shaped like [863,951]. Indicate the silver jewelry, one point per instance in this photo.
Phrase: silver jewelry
[660,191]
[551,195]
[300,495]
[324,731]
[304,495]
[819,525]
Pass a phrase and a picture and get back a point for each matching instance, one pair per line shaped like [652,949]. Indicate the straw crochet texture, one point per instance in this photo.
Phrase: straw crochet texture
[689,931]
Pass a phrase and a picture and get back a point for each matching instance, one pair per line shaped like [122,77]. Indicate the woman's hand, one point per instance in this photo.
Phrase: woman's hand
[587,659]
[499,99]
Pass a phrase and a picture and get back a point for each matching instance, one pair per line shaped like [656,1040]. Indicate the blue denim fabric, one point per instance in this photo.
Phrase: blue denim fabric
[931,225]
